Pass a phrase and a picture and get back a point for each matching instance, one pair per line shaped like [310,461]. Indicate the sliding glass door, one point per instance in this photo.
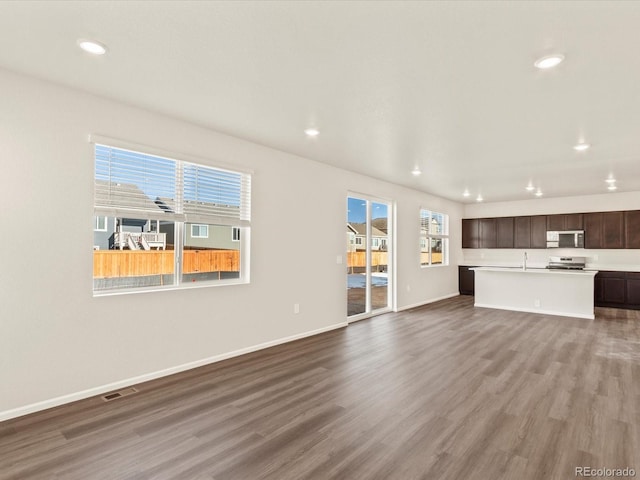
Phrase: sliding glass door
[368,256]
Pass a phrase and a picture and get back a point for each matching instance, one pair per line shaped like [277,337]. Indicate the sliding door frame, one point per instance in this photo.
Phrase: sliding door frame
[391,256]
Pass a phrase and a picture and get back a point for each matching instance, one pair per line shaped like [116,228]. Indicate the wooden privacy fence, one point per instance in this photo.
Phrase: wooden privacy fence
[436,258]
[137,263]
[211,261]
[357,259]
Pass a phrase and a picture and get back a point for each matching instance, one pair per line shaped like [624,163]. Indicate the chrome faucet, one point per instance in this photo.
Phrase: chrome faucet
[524,261]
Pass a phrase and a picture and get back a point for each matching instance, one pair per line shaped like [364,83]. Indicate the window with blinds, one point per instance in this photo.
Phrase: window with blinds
[174,223]
[434,238]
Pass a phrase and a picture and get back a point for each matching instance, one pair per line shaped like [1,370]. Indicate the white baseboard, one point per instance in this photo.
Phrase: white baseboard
[420,304]
[542,312]
[55,402]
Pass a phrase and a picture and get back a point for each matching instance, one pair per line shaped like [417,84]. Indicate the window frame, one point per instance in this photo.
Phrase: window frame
[96,224]
[179,226]
[200,226]
[234,237]
[429,236]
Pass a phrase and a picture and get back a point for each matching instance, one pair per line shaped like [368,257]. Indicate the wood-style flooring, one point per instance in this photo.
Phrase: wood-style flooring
[445,392]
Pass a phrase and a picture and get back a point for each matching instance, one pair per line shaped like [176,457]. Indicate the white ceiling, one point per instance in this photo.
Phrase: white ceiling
[449,87]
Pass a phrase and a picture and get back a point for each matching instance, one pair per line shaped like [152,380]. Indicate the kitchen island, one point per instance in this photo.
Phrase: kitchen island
[567,293]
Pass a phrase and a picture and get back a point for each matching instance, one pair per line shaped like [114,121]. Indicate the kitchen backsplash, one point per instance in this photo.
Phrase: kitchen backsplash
[620,260]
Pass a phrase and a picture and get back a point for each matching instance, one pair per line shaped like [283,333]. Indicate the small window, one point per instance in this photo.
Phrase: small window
[199,231]
[434,238]
[235,234]
[358,240]
[99,224]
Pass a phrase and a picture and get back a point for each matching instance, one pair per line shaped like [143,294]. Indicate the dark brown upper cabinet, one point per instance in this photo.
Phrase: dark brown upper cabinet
[574,221]
[470,233]
[613,230]
[604,230]
[539,231]
[522,232]
[488,233]
[593,230]
[555,222]
[632,229]
[504,232]
[565,221]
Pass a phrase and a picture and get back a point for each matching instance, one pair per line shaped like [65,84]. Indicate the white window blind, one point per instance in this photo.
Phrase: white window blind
[128,183]
[216,196]
[137,185]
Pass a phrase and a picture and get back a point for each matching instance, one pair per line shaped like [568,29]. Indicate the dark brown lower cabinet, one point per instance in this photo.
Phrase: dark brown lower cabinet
[466,280]
[617,290]
[633,290]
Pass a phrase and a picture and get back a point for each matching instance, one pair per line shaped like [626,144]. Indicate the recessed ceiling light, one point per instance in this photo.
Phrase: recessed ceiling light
[538,193]
[416,171]
[479,199]
[530,188]
[610,180]
[466,193]
[581,147]
[612,187]
[93,47]
[312,132]
[549,61]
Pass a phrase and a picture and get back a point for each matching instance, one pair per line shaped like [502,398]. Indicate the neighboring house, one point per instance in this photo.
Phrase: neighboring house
[111,233]
[202,236]
[103,229]
[436,229]
[380,224]
[351,238]
[359,232]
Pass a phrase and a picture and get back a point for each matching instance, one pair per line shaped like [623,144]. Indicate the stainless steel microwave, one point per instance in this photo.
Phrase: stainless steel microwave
[566,239]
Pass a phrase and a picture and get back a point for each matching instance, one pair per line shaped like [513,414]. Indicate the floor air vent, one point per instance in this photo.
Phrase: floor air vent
[119,394]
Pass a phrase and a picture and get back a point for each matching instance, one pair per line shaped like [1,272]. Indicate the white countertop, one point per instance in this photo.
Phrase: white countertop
[538,270]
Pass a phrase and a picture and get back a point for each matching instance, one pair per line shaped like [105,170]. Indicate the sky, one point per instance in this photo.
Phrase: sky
[356,210]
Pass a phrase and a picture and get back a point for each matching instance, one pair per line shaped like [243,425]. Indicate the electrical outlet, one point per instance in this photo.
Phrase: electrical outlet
[339,259]
[536,303]
[296,308]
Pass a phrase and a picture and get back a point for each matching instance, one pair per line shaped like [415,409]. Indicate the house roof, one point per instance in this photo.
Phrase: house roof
[123,195]
[169,205]
[361,229]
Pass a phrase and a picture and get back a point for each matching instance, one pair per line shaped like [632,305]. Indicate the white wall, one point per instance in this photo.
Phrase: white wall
[59,343]
[606,202]
[598,259]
